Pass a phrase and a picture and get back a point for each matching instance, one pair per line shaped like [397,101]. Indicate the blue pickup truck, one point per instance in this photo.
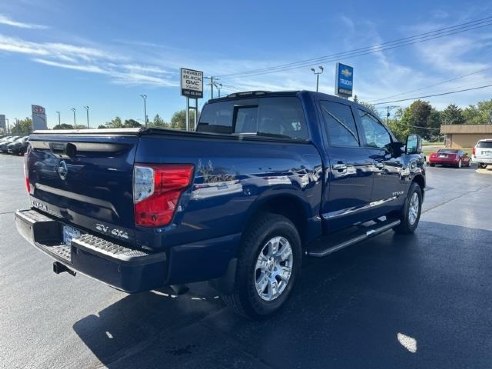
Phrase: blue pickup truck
[267,179]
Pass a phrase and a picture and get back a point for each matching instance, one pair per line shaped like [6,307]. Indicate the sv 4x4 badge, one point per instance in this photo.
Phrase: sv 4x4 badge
[112,231]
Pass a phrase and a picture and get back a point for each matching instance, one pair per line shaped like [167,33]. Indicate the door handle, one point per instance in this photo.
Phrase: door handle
[339,166]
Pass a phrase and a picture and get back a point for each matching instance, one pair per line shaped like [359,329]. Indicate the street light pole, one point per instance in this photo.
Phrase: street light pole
[58,117]
[74,118]
[317,76]
[144,97]
[87,111]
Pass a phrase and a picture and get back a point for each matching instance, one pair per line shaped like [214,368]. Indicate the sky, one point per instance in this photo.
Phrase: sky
[106,54]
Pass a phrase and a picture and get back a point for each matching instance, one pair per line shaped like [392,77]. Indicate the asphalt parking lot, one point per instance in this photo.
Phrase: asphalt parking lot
[423,301]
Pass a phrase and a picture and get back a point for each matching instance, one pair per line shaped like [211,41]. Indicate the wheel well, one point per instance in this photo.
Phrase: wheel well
[421,182]
[288,206]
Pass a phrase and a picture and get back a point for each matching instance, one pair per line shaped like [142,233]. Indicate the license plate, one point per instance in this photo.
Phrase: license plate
[443,156]
[69,233]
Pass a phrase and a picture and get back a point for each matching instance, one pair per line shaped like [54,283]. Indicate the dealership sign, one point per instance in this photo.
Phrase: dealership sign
[38,117]
[191,83]
[344,80]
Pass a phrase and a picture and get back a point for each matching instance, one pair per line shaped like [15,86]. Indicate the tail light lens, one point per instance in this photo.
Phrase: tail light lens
[473,150]
[26,175]
[156,191]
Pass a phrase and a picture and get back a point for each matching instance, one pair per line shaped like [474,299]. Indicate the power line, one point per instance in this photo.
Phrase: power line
[433,85]
[434,95]
[418,38]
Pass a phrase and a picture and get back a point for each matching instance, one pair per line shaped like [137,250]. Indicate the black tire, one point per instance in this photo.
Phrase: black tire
[410,222]
[244,298]
[482,165]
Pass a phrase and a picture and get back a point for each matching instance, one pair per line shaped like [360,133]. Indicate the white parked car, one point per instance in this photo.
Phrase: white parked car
[482,153]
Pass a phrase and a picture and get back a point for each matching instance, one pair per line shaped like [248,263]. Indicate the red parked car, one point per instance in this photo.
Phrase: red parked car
[449,157]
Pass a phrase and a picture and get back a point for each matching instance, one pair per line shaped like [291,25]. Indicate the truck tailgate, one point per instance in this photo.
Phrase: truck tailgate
[85,179]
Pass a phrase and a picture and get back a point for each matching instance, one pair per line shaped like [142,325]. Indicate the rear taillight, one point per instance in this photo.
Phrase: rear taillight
[26,176]
[473,150]
[156,191]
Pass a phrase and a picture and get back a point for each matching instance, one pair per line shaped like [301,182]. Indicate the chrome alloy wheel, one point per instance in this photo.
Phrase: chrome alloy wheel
[413,208]
[273,268]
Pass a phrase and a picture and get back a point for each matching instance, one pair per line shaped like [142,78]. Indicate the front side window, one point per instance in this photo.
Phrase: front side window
[339,124]
[375,134]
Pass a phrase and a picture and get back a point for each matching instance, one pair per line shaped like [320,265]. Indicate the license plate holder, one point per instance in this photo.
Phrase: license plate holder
[69,233]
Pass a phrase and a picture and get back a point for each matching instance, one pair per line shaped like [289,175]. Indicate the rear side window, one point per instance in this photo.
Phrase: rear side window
[269,116]
[339,124]
[282,116]
[484,144]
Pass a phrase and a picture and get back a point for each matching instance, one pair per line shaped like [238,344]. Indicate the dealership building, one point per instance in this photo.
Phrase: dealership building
[459,136]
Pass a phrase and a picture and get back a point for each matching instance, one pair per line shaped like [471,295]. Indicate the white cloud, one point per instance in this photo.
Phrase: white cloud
[10,22]
[120,70]
[82,68]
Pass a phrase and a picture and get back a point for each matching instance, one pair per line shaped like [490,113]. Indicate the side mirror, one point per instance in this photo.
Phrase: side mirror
[413,145]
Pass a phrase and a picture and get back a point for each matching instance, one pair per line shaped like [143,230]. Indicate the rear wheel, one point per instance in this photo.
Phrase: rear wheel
[268,266]
[411,211]
[482,165]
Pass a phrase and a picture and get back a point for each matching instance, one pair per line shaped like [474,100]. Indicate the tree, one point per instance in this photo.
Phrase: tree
[479,114]
[63,126]
[399,128]
[434,124]
[178,121]
[452,115]
[115,123]
[22,127]
[131,123]
[416,118]
[158,122]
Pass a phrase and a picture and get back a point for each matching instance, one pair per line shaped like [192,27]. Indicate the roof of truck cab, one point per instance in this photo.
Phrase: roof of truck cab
[261,94]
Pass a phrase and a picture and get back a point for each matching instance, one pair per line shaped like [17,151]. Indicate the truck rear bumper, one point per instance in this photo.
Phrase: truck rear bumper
[126,269]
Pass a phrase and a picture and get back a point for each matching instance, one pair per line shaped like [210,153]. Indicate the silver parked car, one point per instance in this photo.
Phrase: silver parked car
[482,153]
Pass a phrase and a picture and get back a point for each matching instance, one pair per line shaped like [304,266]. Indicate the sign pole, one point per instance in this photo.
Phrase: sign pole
[187,113]
[196,114]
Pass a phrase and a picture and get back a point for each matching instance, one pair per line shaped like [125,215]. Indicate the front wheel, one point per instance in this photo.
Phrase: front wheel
[268,266]
[411,211]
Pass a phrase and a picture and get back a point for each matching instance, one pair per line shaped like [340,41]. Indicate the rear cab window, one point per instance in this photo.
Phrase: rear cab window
[280,117]
[484,144]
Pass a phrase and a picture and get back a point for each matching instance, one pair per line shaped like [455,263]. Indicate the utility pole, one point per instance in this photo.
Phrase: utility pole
[144,97]
[87,111]
[74,118]
[218,86]
[58,117]
[213,82]
[388,110]
[321,69]
[8,125]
